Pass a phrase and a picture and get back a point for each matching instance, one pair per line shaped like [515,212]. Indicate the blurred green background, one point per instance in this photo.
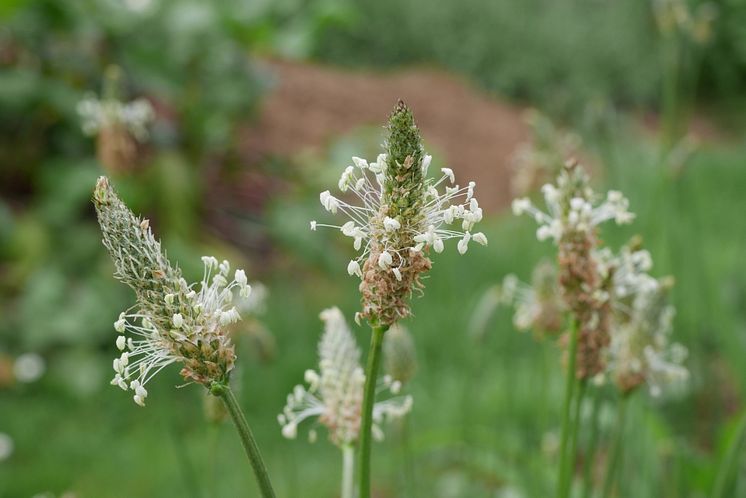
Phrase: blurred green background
[653,90]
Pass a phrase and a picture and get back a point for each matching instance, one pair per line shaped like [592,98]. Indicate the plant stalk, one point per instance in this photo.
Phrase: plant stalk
[575,425]
[369,399]
[730,461]
[247,438]
[616,448]
[348,470]
[590,452]
[670,94]
[569,389]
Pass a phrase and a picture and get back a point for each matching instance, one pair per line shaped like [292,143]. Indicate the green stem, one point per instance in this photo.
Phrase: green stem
[409,472]
[616,448]
[369,399]
[348,469]
[569,388]
[247,438]
[669,119]
[575,424]
[731,459]
[590,452]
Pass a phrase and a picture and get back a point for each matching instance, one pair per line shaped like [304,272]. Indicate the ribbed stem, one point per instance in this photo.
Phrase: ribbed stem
[369,399]
[574,428]
[590,452]
[566,407]
[616,448]
[247,438]
[730,460]
[348,471]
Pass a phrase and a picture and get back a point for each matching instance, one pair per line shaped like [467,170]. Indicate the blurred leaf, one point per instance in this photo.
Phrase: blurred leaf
[81,372]
[66,188]
[19,88]
[175,193]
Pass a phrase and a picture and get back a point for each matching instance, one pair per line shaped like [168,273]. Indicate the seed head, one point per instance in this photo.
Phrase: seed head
[334,394]
[400,217]
[539,306]
[118,126]
[574,212]
[640,350]
[172,321]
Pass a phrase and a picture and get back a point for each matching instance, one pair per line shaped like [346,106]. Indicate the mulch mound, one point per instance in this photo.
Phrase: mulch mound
[310,104]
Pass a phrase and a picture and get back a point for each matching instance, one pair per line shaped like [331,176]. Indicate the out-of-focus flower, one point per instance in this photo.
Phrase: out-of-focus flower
[214,409]
[703,20]
[173,321]
[640,350]
[573,213]
[399,354]
[573,207]
[29,367]
[399,215]
[541,160]
[673,16]
[98,115]
[539,306]
[256,302]
[335,393]
[479,319]
[118,125]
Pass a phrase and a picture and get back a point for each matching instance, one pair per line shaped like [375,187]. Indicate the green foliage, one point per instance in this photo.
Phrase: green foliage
[179,55]
[724,74]
[561,54]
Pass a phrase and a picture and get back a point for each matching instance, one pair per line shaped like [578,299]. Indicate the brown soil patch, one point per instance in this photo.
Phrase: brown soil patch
[312,104]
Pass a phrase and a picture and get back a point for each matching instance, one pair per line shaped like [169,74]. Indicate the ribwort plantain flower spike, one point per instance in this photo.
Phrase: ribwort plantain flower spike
[172,321]
[334,394]
[399,216]
[118,126]
[573,213]
[99,115]
[110,112]
[538,306]
[640,351]
[573,207]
